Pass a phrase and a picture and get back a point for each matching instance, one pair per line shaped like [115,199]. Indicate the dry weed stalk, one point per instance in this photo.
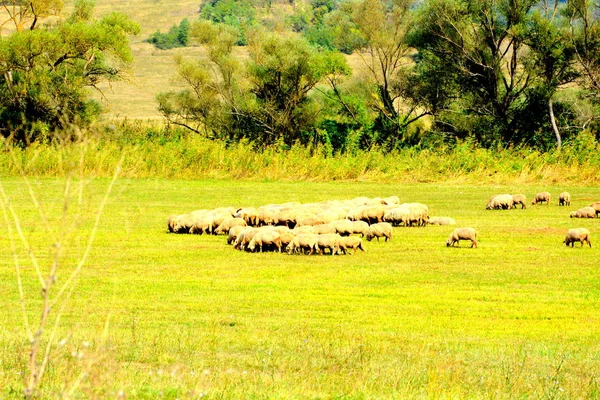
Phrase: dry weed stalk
[42,334]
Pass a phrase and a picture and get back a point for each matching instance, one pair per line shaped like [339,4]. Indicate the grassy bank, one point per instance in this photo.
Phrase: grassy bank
[154,152]
[157,315]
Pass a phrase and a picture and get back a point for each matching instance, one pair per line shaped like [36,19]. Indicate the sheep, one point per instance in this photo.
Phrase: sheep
[234,233]
[500,202]
[183,223]
[419,214]
[250,214]
[305,229]
[564,199]
[309,220]
[392,200]
[541,197]
[397,215]
[171,222]
[350,242]
[343,227]
[360,228]
[329,241]
[382,229]
[244,238]
[265,238]
[596,207]
[224,227]
[462,234]
[303,242]
[203,225]
[585,212]
[580,235]
[519,199]
[441,221]
[371,214]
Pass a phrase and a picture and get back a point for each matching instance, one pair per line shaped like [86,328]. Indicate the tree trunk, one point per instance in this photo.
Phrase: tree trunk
[554,127]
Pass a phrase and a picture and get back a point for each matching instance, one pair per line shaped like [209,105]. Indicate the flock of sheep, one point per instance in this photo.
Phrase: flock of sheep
[333,227]
[581,235]
[327,227]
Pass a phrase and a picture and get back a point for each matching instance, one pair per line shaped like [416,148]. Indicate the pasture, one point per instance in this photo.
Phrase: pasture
[158,315]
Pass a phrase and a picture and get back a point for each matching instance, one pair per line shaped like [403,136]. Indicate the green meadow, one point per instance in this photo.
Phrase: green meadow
[158,315]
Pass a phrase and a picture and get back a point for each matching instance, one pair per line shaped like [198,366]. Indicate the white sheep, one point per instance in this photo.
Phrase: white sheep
[329,241]
[462,234]
[519,199]
[265,238]
[351,242]
[580,235]
[303,242]
[441,221]
[382,229]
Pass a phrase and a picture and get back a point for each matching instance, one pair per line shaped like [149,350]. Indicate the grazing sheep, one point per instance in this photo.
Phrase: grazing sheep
[580,235]
[234,233]
[382,229]
[244,238]
[223,228]
[462,234]
[303,242]
[392,200]
[500,202]
[203,225]
[360,228]
[171,222]
[441,221]
[329,241]
[305,229]
[183,223]
[541,197]
[343,227]
[397,216]
[250,214]
[596,207]
[311,221]
[265,238]
[564,199]
[351,242]
[371,214]
[585,212]
[519,199]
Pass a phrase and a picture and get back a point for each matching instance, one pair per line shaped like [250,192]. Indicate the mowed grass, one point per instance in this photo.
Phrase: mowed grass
[159,315]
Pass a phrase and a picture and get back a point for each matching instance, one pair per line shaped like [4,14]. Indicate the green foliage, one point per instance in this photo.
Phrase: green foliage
[45,73]
[238,14]
[178,36]
[267,100]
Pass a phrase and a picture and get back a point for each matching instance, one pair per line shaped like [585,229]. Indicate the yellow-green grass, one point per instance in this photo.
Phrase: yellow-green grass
[189,316]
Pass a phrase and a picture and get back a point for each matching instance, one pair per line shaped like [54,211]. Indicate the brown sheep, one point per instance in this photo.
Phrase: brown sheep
[462,234]
[585,212]
[564,199]
[580,235]
[519,199]
[541,197]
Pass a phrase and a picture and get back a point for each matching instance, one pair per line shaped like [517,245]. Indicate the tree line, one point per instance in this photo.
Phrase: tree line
[344,74]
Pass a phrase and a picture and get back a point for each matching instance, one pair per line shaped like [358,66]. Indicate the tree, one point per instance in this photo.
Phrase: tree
[265,100]
[386,57]
[551,58]
[24,14]
[44,73]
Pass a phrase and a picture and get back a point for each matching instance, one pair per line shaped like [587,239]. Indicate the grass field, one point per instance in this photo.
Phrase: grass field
[157,315]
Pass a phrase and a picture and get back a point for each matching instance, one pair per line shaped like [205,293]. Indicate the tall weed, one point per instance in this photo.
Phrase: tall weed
[156,151]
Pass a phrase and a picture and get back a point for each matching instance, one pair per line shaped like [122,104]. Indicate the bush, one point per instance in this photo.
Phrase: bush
[178,36]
